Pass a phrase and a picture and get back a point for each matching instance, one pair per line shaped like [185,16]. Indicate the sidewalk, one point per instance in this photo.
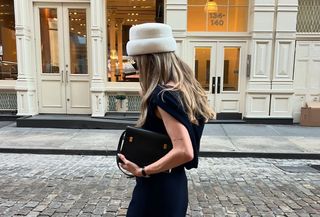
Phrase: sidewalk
[276,141]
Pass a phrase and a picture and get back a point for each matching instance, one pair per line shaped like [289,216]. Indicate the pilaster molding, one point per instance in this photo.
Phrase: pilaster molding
[96,32]
[177,2]
[263,8]
[262,28]
[174,9]
[286,18]
[23,31]
[97,12]
[26,84]
[98,56]
[261,61]
[285,36]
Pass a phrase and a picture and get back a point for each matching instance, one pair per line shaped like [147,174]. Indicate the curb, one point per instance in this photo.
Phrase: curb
[311,156]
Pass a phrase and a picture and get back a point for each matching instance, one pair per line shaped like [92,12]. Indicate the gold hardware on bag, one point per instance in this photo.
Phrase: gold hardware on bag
[165,146]
[130,138]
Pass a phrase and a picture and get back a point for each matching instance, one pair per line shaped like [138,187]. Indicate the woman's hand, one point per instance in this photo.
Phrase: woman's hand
[130,166]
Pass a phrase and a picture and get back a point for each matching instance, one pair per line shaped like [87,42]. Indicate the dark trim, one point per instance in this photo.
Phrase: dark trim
[125,114]
[55,151]
[229,116]
[74,124]
[310,156]
[226,122]
[287,121]
[9,117]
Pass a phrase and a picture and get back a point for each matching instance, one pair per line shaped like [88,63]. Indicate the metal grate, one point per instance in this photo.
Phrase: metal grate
[8,101]
[315,166]
[298,168]
[308,20]
[112,103]
[134,103]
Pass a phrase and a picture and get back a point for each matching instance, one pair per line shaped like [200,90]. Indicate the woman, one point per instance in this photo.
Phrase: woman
[173,103]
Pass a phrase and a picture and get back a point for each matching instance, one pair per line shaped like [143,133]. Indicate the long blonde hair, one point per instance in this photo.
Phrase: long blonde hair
[161,68]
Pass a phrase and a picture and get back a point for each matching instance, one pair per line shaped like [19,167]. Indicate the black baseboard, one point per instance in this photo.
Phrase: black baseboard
[229,116]
[72,124]
[286,121]
[9,116]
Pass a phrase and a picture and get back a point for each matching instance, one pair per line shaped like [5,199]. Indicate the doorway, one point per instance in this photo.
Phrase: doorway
[63,63]
[220,69]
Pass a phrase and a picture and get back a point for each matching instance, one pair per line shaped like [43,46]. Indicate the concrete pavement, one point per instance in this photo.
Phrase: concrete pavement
[218,139]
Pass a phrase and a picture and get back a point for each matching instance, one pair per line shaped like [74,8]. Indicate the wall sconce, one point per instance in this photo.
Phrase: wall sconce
[211,6]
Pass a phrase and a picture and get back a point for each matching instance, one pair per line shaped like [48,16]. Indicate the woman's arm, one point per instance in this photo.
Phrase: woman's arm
[182,151]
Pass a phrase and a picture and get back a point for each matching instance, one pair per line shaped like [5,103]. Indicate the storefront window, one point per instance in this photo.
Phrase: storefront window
[217,15]
[49,40]
[231,68]
[121,15]
[78,41]
[8,51]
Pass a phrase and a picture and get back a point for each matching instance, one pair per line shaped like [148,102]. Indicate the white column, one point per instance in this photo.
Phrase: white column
[175,15]
[259,83]
[98,56]
[26,82]
[284,44]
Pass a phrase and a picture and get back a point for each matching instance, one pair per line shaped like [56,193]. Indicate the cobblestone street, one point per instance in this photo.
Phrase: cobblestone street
[60,185]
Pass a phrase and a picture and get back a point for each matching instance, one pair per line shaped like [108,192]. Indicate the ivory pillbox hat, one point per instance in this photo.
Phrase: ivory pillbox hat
[150,38]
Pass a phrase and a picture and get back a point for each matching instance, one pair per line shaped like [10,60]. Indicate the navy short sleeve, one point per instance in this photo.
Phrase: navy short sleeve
[170,101]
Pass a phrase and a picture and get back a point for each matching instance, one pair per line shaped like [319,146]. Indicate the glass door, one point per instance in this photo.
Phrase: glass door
[204,68]
[62,58]
[229,79]
[219,69]
[76,43]
[50,58]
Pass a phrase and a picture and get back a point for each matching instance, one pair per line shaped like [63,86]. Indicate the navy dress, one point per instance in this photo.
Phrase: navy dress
[165,194]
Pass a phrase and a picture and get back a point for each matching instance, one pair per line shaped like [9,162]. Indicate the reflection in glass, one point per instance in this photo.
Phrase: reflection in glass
[78,41]
[202,66]
[49,40]
[231,69]
[8,51]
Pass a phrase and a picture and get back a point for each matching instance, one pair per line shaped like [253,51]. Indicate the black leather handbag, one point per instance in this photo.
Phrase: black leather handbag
[142,147]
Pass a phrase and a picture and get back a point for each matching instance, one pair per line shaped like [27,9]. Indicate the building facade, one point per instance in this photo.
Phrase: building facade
[257,59]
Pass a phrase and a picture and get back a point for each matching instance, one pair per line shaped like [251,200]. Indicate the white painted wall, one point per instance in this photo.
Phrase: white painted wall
[271,77]
[306,75]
